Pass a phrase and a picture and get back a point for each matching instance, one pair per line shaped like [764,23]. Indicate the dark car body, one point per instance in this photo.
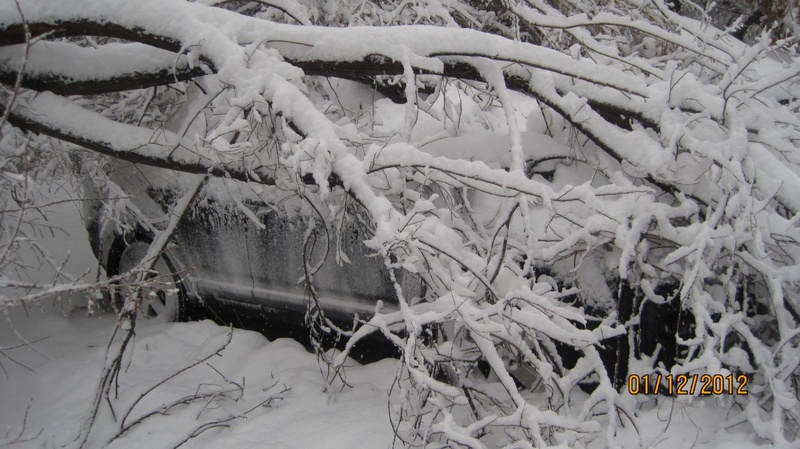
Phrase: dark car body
[254,256]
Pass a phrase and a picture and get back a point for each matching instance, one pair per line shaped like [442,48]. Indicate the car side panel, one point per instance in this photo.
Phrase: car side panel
[285,247]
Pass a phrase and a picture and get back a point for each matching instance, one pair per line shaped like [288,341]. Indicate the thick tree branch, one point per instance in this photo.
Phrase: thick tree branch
[379,63]
[64,81]
[302,43]
[14,33]
[60,118]
[66,86]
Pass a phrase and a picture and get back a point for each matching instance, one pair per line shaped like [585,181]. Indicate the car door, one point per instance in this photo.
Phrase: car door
[285,246]
[211,245]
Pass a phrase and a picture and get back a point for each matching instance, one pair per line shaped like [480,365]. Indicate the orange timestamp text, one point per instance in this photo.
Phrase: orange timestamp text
[688,384]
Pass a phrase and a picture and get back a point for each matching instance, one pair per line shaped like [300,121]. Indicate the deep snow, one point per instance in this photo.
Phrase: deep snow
[66,359]
[67,365]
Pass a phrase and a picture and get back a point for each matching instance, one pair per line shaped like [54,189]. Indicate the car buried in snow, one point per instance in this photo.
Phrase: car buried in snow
[259,255]
[242,254]
[248,259]
[250,248]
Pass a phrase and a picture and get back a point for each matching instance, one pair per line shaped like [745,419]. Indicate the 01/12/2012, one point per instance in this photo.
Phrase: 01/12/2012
[687,384]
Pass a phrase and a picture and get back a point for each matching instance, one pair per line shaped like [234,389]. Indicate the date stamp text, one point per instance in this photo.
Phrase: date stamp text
[687,384]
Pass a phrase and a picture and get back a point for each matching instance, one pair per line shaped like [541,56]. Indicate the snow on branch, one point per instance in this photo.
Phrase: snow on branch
[67,68]
[58,117]
[302,43]
[291,8]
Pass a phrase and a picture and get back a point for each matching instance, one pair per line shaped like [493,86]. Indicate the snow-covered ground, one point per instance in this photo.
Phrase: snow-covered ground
[61,371]
[64,362]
